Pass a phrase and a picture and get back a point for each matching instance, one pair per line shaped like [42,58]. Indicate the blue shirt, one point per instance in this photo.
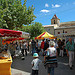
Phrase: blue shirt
[69,46]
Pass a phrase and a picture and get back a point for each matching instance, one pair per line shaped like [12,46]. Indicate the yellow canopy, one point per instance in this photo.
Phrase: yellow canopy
[45,35]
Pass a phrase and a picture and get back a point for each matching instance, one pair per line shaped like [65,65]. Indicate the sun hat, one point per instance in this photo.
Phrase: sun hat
[52,43]
[35,55]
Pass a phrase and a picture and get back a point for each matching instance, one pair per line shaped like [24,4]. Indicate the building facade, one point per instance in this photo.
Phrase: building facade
[61,30]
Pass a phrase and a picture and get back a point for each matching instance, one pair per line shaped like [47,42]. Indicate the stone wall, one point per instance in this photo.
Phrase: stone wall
[50,29]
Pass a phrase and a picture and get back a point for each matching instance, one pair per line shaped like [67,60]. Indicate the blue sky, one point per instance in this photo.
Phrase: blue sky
[45,10]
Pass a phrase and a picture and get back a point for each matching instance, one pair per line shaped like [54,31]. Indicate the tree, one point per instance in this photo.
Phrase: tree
[34,29]
[14,15]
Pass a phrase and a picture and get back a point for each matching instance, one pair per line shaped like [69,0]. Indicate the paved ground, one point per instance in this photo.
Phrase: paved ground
[23,67]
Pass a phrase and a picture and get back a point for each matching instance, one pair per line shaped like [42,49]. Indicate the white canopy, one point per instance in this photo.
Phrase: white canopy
[25,35]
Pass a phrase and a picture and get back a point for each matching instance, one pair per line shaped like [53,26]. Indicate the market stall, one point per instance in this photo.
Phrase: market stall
[6,32]
[45,35]
[9,39]
[5,56]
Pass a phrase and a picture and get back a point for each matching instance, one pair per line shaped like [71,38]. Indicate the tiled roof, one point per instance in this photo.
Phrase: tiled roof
[61,24]
[55,17]
[54,25]
[65,27]
[49,25]
[70,22]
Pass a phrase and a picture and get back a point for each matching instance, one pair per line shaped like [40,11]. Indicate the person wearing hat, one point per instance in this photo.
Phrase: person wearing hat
[35,64]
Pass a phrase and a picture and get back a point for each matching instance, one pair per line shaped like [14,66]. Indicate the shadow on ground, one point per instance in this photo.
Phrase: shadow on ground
[25,66]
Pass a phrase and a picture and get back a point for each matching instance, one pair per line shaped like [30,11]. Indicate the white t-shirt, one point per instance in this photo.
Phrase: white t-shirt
[24,46]
[52,51]
[35,63]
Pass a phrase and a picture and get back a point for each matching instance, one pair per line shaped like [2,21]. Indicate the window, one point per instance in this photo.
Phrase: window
[65,31]
[58,32]
[49,29]
[54,21]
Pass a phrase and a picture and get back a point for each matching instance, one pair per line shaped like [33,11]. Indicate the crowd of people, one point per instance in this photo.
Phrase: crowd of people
[59,45]
[50,50]
[33,46]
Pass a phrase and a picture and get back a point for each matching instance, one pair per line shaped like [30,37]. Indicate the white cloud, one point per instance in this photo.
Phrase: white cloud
[46,5]
[55,6]
[44,10]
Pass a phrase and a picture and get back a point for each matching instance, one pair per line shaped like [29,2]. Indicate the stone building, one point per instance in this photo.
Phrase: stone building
[61,30]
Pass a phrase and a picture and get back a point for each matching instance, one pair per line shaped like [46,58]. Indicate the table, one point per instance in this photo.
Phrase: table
[5,66]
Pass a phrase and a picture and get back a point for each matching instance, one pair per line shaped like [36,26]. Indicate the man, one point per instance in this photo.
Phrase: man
[33,45]
[42,46]
[62,48]
[70,51]
[46,44]
[24,45]
[59,46]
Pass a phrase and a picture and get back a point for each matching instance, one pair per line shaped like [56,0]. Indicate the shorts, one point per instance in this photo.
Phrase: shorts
[34,72]
[50,70]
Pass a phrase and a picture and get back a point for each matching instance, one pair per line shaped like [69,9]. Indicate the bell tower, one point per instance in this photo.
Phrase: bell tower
[55,20]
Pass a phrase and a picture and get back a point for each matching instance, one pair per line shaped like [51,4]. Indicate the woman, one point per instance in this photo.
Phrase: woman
[50,58]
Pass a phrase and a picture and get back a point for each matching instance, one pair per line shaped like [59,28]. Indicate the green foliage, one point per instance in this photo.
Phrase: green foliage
[34,29]
[13,15]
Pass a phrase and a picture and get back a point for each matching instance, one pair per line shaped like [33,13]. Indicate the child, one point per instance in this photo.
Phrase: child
[35,64]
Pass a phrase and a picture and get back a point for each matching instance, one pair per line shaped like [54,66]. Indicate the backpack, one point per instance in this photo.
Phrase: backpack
[51,60]
[51,52]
